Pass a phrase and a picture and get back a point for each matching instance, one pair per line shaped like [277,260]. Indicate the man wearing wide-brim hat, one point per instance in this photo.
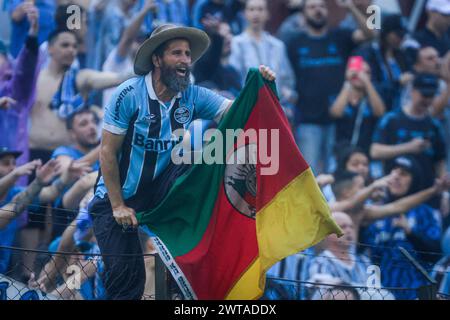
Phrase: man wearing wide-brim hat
[141,126]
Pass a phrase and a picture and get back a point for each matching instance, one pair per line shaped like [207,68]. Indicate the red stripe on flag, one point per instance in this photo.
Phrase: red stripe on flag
[268,115]
[226,250]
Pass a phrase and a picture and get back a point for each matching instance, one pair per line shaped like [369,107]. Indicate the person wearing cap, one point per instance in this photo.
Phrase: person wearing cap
[417,229]
[142,124]
[412,131]
[388,62]
[435,33]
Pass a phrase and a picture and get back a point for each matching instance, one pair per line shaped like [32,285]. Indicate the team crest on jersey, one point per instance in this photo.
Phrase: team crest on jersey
[240,180]
[182,115]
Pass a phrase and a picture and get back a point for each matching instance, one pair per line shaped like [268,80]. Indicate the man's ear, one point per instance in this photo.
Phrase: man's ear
[156,61]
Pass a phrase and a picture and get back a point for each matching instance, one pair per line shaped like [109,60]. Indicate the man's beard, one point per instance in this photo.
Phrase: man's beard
[172,80]
[316,24]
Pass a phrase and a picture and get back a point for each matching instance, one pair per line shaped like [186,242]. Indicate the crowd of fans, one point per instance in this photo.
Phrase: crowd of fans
[369,108]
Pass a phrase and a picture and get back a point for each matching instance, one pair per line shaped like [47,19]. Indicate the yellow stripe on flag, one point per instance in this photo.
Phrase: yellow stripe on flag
[297,218]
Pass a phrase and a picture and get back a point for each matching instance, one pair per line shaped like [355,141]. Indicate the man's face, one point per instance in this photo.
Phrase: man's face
[256,13]
[421,102]
[84,130]
[7,164]
[64,49]
[428,61]
[344,221]
[359,164]
[400,183]
[316,13]
[175,65]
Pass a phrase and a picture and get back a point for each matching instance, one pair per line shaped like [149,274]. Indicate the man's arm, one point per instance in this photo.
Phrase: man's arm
[131,32]
[407,203]
[73,172]
[22,200]
[8,181]
[110,148]
[380,151]
[88,80]
[361,196]
[76,193]
[361,20]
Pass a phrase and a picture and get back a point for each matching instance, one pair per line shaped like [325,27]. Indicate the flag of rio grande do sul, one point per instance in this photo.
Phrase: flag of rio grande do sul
[221,227]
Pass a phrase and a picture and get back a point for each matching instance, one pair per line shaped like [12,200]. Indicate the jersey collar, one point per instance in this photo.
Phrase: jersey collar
[152,94]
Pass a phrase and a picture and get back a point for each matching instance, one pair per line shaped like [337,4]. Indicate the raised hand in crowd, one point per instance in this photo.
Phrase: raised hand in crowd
[32,14]
[211,23]
[324,180]
[22,10]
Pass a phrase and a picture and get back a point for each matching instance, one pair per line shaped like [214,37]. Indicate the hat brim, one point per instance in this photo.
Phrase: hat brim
[198,40]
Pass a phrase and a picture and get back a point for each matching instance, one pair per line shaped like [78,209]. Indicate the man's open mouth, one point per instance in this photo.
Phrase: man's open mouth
[181,71]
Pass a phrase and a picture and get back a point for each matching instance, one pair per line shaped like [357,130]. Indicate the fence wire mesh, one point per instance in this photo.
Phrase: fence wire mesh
[79,276]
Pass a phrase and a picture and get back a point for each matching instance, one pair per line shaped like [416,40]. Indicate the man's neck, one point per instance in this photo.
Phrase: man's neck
[82,149]
[161,90]
[314,32]
[55,69]
[255,33]
[356,95]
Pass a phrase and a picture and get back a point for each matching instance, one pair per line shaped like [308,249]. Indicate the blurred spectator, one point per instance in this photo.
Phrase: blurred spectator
[353,159]
[19,10]
[411,131]
[357,109]
[83,129]
[106,22]
[61,91]
[120,59]
[388,62]
[214,67]
[418,229]
[339,259]
[206,12]
[62,15]
[19,199]
[256,47]
[435,34]
[294,23]
[18,88]
[319,56]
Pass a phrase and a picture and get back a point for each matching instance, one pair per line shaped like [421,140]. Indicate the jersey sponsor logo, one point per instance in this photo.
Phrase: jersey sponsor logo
[152,144]
[120,100]
[182,115]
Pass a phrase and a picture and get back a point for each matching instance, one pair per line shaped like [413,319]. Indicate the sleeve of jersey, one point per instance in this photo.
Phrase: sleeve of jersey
[210,105]
[119,110]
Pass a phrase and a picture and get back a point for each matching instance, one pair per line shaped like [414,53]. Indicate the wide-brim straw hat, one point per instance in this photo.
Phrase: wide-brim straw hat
[198,41]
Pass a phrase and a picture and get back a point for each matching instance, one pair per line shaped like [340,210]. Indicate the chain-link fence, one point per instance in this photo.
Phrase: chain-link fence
[62,275]
[79,276]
